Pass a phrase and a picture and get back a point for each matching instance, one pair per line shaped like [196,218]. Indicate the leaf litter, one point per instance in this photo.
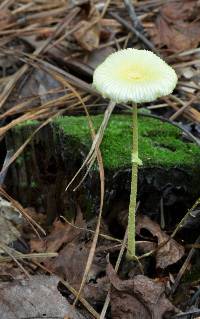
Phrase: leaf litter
[48,53]
[73,244]
[170,251]
[177,25]
[140,297]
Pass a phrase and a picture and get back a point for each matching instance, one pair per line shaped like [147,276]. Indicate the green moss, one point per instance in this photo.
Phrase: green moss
[160,144]
[26,123]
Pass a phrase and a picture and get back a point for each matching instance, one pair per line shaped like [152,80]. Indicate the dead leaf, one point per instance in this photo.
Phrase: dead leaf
[71,260]
[70,265]
[180,10]
[169,253]
[10,271]
[87,35]
[61,233]
[138,298]
[176,26]
[97,56]
[36,297]
[144,247]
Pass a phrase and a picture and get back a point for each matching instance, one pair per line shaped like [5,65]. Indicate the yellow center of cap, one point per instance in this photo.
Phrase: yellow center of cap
[134,75]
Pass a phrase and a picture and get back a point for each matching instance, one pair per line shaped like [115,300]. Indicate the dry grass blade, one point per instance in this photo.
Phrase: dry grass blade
[191,113]
[183,108]
[3,171]
[119,258]
[183,220]
[11,84]
[22,147]
[15,204]
[138,34]
[92,231]
[18,255]
[102,182]
[96,142]
[8,251]
[102,189]
[107,301]
[183,268]
[178,227]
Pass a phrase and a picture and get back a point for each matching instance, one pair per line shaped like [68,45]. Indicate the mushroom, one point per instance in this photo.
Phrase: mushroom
[134,76]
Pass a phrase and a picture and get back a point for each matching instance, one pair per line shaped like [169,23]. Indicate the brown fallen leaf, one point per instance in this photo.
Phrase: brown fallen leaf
[89,29]
[176,26]
[70,265]
[87,35]
[169,253]
[71,261]
[138,298]
[180,10]
[97,56]
[73,246]
[61,233]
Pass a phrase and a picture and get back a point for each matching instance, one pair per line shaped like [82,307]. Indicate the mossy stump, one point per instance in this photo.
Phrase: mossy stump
[169,174]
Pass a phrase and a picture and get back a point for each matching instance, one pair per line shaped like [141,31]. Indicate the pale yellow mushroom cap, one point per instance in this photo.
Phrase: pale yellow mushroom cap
[133,75]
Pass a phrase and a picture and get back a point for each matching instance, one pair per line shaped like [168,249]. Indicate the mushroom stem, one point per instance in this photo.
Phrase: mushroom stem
[133,195]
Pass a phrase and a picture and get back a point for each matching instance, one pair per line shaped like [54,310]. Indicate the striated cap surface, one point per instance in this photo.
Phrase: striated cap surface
[133,75]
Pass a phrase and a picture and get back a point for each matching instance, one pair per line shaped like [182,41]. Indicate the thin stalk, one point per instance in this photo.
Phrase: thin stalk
[133,195]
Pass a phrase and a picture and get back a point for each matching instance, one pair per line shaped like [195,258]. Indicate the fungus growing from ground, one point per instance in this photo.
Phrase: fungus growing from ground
[134,76]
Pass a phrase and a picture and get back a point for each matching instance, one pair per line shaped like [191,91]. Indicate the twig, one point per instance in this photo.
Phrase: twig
[183,108]
[3,172]
[92,231]
[105,8]
[178,227]
[190,113]
[18,255]
[5,4]
[187,314]
[183,220]
[137,33]
[134,19]
[183,268]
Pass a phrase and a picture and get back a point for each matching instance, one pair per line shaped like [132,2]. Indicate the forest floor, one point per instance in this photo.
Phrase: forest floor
[56,259]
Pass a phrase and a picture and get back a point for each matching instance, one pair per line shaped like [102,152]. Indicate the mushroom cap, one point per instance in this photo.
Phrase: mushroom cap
[133,75]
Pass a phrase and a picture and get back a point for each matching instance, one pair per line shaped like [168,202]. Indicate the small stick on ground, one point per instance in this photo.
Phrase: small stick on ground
[134,19]
[183,268]
[137,33]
